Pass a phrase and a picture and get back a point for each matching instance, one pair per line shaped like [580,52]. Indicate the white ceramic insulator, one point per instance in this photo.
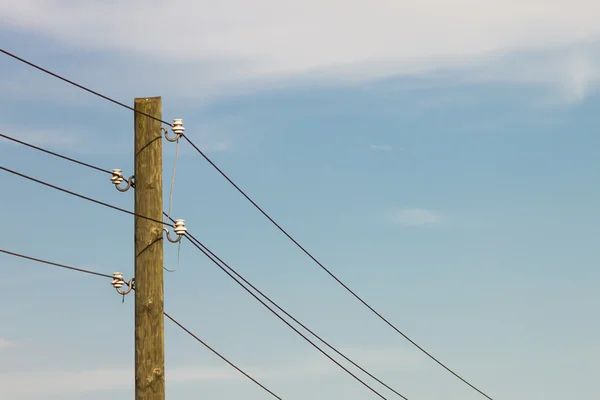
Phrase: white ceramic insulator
[180,228]
[178,127]
[118,280]
[117,176]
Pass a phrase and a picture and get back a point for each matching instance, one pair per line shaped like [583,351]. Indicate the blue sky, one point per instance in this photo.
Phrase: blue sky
[451,183]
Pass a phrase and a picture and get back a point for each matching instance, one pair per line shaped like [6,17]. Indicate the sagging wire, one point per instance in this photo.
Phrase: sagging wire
[178,130]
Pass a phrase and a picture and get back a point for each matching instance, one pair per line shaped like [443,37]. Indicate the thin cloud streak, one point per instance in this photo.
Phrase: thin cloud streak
[296,41]
[117,377]
[5,343]
[415,218]
[107,378]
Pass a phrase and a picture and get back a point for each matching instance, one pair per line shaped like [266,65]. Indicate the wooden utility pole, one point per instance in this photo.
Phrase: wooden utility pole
[149,321]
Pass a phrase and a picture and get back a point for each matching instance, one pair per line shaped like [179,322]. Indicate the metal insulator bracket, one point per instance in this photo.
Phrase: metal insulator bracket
[117,178]
[118,282]
[177,128]
[179,229]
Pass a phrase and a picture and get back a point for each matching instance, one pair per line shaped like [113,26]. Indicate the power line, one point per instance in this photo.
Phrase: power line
[131,213]
[204,248]
[226,265]
[165,314]
[331,274]
[55,154]
[222,358]
[162,222]
[82,196]
[313,258]
[193,241]
[80,86]
[55,264]
[227,272]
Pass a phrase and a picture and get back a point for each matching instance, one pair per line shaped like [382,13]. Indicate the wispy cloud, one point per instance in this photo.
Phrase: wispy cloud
[77,381]
[5,343]
[572,73]
[295,39]
[381,147]
[415,217]
[64,382]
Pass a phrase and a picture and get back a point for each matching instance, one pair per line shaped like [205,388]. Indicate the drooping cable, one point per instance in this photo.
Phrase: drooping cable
[220,356]
[82,196]
[284,320]
[166,223]
[313,258]
[190,237]
[79,86]
[331,274]
[168,215]
[39,260]
[54,154]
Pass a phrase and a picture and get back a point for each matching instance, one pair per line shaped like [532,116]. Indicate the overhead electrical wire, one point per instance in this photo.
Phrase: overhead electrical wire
[165,314]
[264,213]
[55,154]
[82,196]
[39,260]
[220,356]
[227,272]
[283,319]
[226,266]
[331,274]
[215,259]
[80,86]
[205,253]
